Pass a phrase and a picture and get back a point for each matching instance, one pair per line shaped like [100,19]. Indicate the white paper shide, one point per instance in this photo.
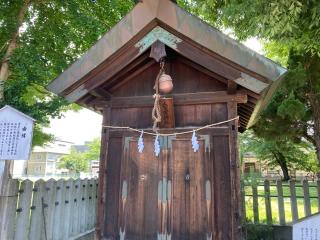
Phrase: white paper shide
[16,131]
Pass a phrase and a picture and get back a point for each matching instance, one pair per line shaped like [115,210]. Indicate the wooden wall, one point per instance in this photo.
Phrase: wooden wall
[148,197]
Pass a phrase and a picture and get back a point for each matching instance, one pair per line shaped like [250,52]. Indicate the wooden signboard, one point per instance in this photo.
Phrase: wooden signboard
[307,229]
[15,134]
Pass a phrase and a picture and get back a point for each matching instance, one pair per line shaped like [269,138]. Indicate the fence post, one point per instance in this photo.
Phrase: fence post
[59,210]
[37,221]
[8,204]
[282,218]
[23,210]
[255,203]
[267,201]
[318,190]
[49,208]
[307,206]
[293,199]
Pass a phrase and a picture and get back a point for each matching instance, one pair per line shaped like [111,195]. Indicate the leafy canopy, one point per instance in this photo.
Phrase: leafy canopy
[53,34]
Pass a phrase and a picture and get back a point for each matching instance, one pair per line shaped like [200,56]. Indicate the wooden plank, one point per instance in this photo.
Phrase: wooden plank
[75,208]
[57,232]
[167,113]
[101,201]
[243,200]
[95,198]
[255,204]
[66,228]
[318,191]
[232,87]
[123,78]
[49,208]
[101,93]
[82,216]
[78,206]
[5,174]
[141,206]
[222,187]
[234,170]
[179,99]
[23,210]
[293,199]
[306,196]
[91,204]
[8,204]
[282,218]
[99,75]
[267,201]
[189,208]
[37,220]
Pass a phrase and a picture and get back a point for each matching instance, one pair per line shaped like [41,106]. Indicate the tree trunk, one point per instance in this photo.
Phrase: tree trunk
[281,160]
[4,68]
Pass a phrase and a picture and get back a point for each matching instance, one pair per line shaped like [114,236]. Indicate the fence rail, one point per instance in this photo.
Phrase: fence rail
[279,203]
[48,210]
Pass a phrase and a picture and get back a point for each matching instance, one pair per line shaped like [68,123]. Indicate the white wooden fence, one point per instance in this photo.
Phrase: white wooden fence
[49,210]
[279,203]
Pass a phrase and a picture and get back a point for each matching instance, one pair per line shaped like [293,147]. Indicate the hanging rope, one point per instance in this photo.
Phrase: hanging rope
[173,134]
[156,111]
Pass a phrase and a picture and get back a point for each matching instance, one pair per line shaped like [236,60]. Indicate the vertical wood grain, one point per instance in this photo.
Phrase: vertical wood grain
[37,220]
[8,204]
[58,211]
[282,217]
[255,203]
[23,214]
[101,201]
[293,199]
[306,196]
[267,201]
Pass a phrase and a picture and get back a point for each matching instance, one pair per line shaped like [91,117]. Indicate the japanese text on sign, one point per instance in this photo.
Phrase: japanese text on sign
[15,135]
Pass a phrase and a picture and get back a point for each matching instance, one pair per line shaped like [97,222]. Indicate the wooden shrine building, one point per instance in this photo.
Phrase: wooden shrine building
[182,193]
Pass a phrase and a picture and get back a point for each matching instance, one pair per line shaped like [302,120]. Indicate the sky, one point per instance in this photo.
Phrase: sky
[85,125]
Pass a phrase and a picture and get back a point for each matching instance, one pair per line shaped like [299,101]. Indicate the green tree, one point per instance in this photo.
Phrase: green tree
[80,161]
[94,150]
[280,152]
[74,162]
[290,30]
[41,38]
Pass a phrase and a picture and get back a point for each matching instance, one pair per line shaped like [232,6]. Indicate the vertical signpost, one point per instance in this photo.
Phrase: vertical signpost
[16,131]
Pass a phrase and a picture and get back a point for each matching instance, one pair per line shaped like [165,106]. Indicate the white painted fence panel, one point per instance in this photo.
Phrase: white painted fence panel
[52,210]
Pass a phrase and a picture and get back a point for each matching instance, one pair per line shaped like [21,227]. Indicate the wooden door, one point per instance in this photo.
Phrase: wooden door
[141,173]
[190,200]
[166,197]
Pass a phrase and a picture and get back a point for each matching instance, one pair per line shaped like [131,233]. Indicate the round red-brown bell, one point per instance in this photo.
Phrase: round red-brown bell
[165,83]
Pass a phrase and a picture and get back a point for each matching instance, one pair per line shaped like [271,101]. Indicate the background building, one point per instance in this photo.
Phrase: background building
[44,160]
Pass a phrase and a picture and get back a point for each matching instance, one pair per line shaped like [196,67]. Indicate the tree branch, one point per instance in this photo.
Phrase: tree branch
[12,45]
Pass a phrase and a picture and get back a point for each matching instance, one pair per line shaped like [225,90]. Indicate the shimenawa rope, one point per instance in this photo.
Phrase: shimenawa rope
[172,134]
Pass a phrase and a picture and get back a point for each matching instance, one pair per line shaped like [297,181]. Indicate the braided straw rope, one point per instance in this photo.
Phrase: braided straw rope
[156,111]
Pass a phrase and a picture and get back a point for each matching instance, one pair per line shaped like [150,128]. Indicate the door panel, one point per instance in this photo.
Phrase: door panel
[174,196]
[189,198]
[141,173]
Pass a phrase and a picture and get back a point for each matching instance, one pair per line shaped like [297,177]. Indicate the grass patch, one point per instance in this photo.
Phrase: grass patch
[274,202]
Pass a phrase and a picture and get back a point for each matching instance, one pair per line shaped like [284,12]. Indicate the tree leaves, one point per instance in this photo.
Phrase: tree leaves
[54,34]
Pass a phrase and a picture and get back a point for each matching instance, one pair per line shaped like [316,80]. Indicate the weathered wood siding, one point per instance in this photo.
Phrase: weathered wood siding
[179,195]
[50,210]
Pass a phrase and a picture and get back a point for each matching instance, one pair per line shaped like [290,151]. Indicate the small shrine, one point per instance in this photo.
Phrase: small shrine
[173,92]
